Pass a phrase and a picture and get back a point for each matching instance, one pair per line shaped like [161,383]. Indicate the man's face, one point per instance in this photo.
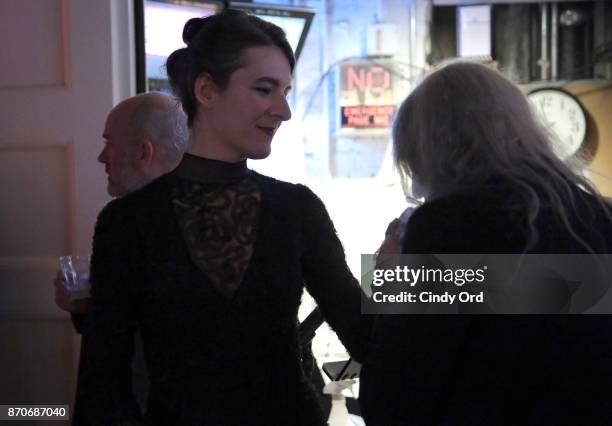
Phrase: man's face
[121,154]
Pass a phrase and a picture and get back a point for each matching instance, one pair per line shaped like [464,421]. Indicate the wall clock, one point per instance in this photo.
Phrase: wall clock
[564,116]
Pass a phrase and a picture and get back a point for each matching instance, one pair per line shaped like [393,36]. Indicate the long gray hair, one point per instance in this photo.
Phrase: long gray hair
[466,123]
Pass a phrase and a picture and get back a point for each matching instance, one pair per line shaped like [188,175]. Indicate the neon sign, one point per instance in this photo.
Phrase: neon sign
[366,96]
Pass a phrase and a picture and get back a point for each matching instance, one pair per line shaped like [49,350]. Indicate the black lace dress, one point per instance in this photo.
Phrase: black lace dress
[210,262]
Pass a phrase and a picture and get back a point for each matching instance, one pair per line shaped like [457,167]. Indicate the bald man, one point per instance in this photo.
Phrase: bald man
[144,137]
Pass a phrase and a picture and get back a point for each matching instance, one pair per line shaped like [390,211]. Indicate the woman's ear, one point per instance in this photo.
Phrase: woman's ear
[205,90]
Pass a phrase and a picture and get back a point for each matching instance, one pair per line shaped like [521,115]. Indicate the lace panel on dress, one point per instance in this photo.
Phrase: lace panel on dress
[219,225]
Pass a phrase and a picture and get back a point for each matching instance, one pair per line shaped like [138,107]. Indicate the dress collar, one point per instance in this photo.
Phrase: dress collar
[205,170]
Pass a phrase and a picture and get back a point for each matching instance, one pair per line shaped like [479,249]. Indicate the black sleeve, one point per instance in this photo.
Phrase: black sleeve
[328,278]
[437,227]
[429,344]
[77,322]
[463,223]
[104,394]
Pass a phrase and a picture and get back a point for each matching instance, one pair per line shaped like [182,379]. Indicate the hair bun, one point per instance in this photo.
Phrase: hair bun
[191,29]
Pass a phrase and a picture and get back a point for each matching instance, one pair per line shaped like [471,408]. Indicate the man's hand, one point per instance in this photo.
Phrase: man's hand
[395,233]
[62,297]
[391,244]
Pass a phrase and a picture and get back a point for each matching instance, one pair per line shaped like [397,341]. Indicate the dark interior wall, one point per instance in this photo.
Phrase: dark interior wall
[516,38]
[576,42]
[602,55]
[443,34]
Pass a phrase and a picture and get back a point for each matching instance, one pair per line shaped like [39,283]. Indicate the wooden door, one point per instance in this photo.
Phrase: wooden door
[64,64]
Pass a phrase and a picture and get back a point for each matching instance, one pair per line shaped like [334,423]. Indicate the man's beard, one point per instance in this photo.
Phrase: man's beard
[127,183]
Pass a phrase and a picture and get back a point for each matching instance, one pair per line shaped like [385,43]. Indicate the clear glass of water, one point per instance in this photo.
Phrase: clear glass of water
[75,270]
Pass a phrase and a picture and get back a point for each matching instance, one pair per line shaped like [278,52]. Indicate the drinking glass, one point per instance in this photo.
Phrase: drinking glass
[75,270]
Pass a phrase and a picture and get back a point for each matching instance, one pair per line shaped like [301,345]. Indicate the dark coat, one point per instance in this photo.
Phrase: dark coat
[492,369]
[212,360]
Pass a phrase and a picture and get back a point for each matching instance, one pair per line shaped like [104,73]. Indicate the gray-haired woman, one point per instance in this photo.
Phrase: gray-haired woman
[492,184]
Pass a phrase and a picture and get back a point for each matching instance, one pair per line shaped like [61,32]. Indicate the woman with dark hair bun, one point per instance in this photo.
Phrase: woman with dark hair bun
[215,47]
[210,260]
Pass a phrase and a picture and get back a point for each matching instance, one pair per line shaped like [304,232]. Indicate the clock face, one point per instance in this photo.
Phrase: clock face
[563,116]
